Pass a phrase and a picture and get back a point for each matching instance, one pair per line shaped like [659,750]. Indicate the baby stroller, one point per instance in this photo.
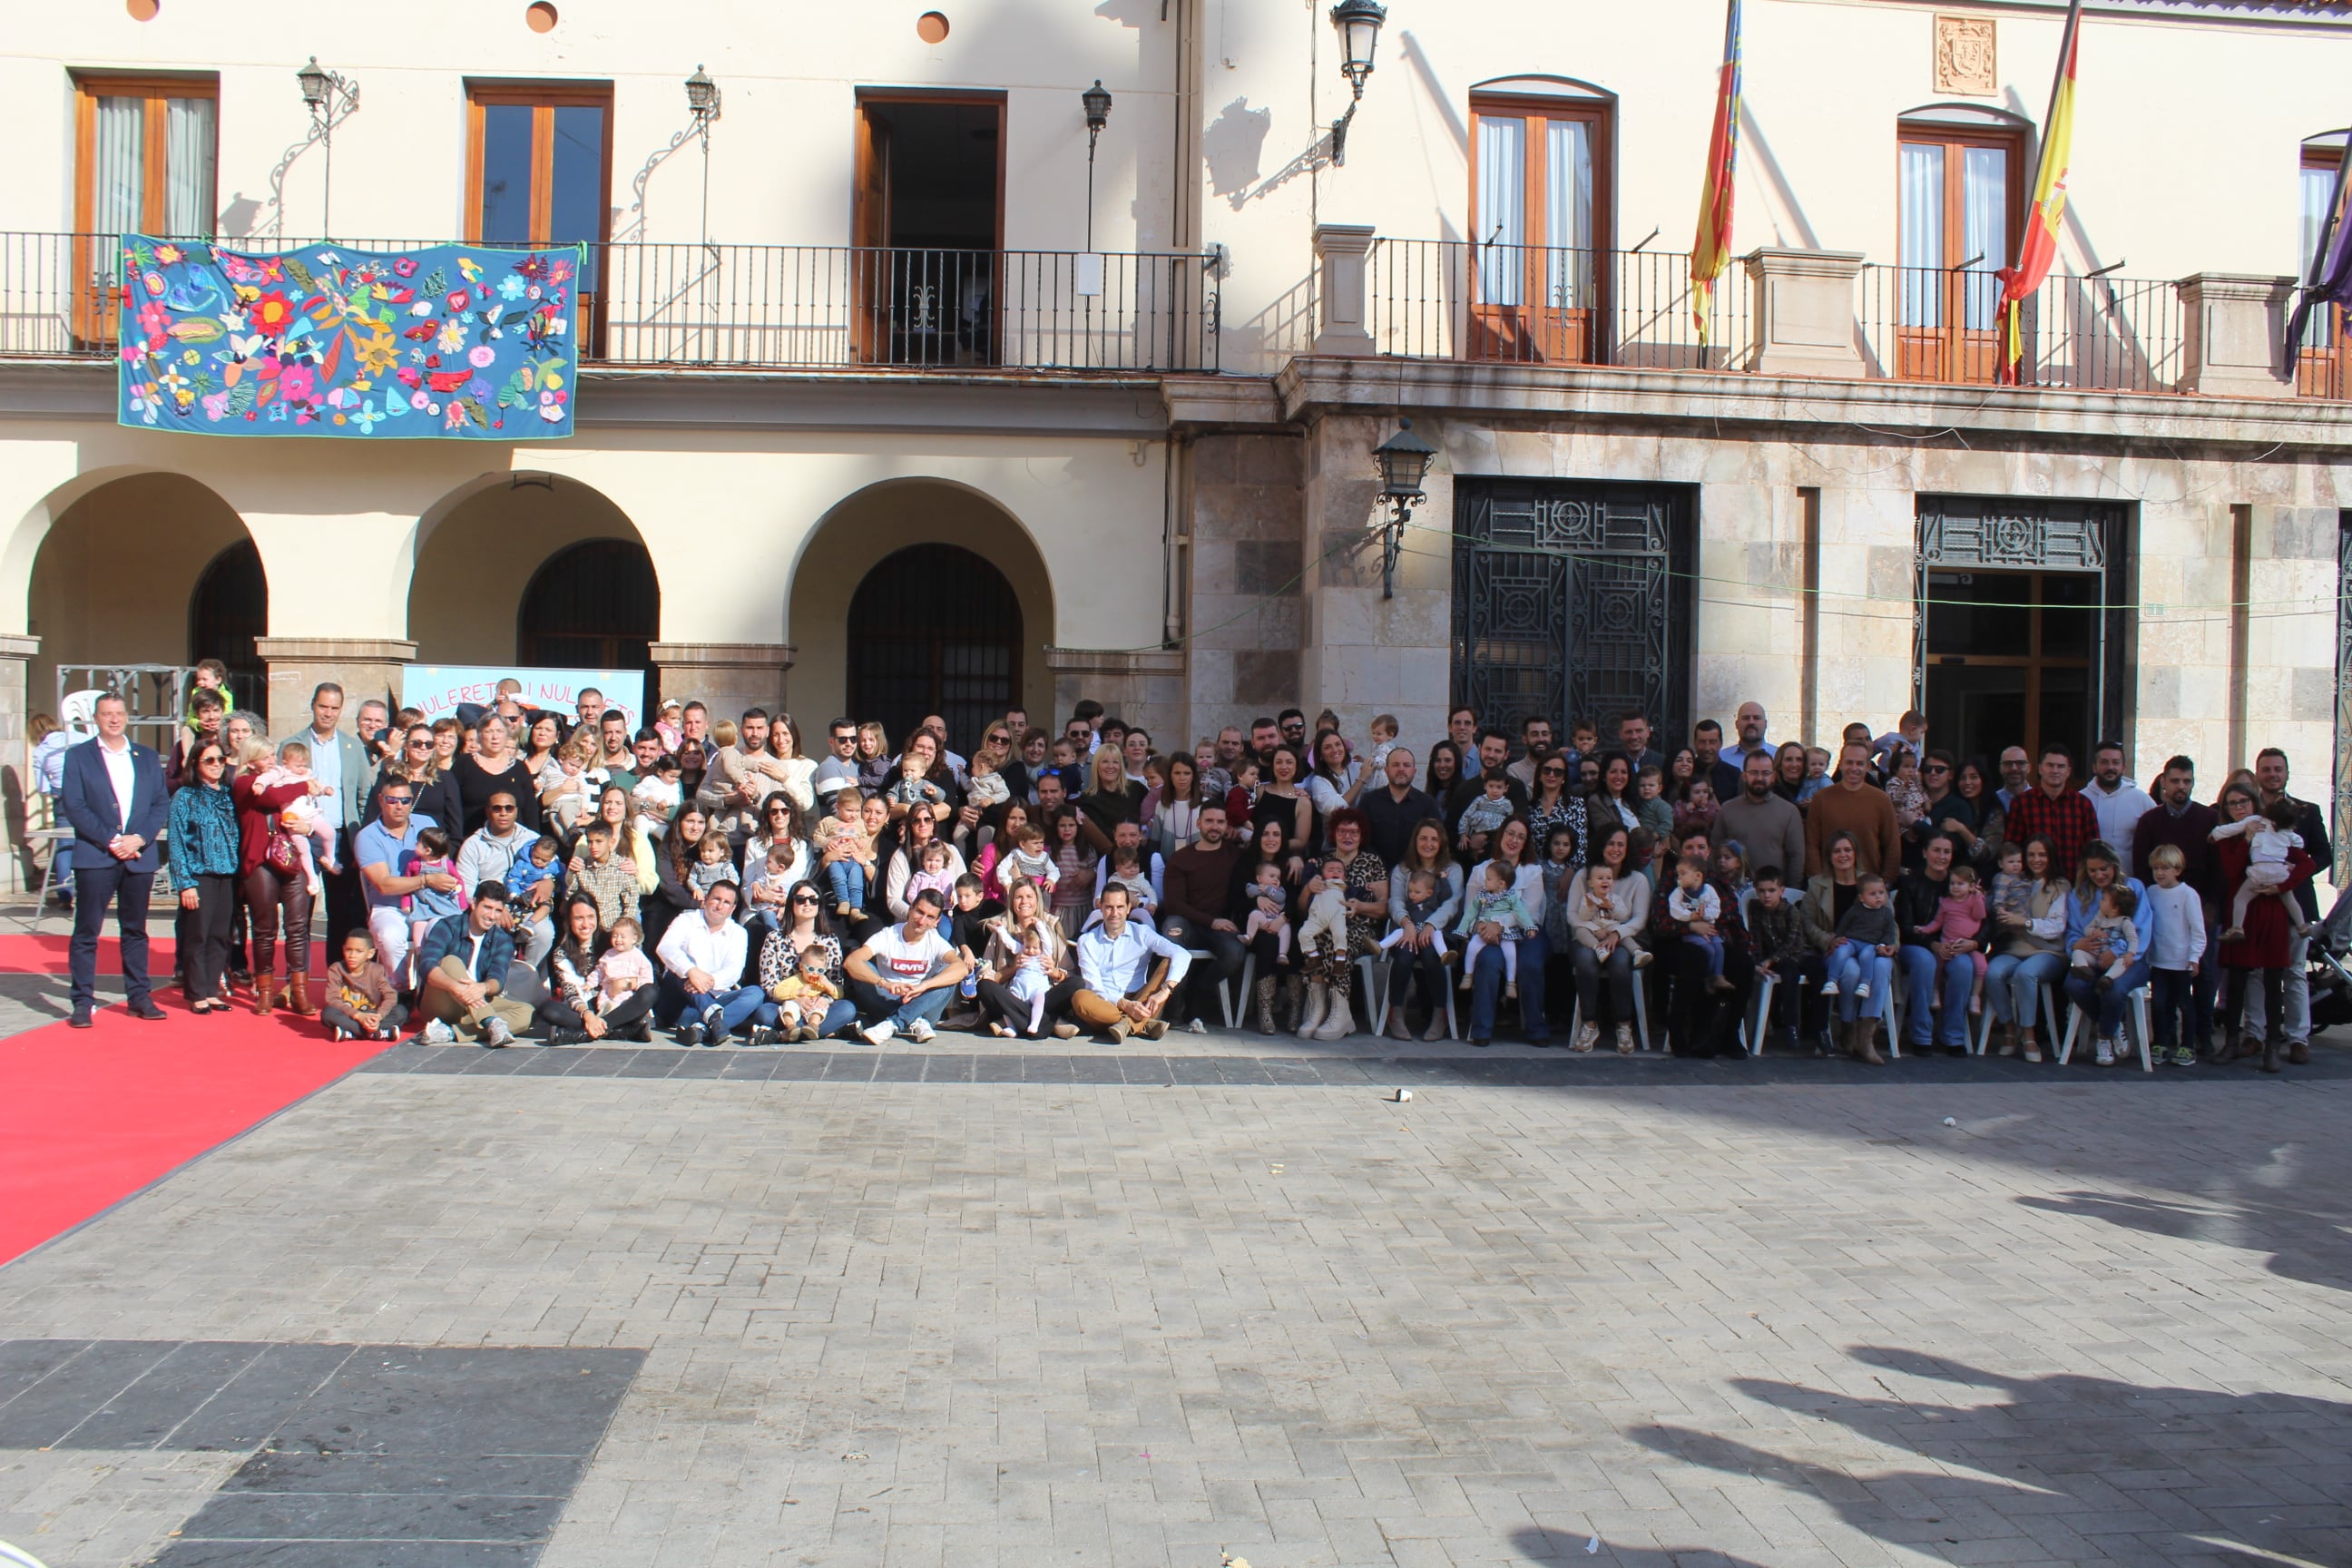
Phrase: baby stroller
[2330,960]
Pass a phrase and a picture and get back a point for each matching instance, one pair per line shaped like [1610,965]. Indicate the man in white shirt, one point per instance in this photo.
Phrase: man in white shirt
[2115,801]
[1117,996]
[114,799]
[902,976]
[702,958]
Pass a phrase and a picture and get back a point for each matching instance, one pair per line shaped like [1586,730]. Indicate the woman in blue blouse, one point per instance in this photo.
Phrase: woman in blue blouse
[204,863]
[2098,870]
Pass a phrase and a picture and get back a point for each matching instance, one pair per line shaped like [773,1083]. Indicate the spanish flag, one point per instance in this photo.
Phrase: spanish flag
[1711,251]
[2037,247]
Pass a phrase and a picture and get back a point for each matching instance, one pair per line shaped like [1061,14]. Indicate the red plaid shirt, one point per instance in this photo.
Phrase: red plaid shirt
[2068,822]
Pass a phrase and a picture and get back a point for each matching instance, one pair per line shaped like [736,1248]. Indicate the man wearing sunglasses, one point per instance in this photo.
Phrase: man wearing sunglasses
[840,764]
[381,849]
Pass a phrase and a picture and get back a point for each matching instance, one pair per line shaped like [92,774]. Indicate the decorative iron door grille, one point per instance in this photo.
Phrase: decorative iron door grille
[1573,601]
[1972,534]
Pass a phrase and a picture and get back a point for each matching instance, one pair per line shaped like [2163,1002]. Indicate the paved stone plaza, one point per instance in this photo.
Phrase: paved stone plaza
[965,1305]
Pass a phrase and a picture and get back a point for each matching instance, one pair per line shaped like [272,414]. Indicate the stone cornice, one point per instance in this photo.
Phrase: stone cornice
[1122,407]
[1598,398]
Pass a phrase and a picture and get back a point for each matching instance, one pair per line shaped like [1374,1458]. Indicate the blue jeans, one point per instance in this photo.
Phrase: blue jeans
[873,1005]
[2013,982]
[2172,1002]
[744,1003]
[1919,966]
[2083,991]
[1850,966]
[848,879]
[837,1018]
[1713,947]
[1487,988]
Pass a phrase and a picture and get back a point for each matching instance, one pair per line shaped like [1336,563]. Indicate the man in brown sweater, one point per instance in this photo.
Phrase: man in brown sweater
[1855,805]
[1196,895]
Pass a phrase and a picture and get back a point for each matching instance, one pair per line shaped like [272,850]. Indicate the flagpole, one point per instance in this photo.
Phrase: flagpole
[2013,311]
[2310,296]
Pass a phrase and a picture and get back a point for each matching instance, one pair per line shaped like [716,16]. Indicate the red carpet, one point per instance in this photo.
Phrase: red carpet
[89,1117]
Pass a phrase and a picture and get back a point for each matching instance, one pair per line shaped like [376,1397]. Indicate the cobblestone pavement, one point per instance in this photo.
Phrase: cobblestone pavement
[1771,1313]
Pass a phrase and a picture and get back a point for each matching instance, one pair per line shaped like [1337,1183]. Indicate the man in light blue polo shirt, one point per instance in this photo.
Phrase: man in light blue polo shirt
[381,849]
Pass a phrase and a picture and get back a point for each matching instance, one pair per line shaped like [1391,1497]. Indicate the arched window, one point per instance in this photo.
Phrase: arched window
[594,606]
[230,609]
[934,629]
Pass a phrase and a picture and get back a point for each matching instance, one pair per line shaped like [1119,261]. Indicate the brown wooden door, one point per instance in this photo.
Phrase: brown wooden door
[1960,206]
[1538,275]
[869,224]
[540,172]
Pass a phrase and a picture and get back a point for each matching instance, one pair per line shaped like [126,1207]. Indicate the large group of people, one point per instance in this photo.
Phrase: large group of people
[512,874]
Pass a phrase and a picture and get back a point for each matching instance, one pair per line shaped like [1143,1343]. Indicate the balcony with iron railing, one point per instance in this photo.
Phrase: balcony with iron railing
[756,306]
[1464,300]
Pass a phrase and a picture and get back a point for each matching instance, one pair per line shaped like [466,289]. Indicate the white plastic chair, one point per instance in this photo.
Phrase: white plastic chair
[1641,1014]
[2137,1020]
[2049,1020]
[1755,1028]
[1225,999]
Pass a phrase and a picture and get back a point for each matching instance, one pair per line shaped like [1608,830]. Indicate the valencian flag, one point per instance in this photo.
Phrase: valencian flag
[2037,247]
[1711,251]
[2330,282]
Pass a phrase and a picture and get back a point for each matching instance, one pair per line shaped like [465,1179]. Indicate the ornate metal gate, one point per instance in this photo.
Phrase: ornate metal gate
[1573,601]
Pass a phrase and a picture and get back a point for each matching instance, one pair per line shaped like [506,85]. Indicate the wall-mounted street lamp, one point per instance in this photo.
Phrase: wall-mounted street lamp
[1358,24]
[1403,461]
[1096,101]
[330,95]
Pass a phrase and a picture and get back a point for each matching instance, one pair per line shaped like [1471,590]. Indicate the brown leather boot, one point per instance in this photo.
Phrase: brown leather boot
[1866,1043]
[264,993]
[297,996]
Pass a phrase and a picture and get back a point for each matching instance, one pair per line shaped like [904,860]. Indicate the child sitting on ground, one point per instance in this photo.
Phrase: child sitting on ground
[1694,901]
[1496,904]
[1269,910]
[361,1001]
[2270,839]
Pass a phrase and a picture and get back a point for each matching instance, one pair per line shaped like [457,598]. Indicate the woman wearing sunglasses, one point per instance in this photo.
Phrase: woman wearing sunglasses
[206,859]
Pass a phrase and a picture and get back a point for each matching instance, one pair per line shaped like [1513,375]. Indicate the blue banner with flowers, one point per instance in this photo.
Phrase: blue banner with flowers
[455,341]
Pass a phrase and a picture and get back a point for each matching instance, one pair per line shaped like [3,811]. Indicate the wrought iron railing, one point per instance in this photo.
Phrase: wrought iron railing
[1525,304]
[765,306]
[2109,335]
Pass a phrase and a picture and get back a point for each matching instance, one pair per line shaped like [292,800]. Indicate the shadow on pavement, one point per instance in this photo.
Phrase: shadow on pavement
[2085,1468]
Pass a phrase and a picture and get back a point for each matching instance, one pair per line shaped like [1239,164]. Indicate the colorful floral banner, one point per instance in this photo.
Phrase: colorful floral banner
[462,341]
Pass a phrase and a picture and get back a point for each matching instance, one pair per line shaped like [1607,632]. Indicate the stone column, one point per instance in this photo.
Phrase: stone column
[2236,327]
[1363,654]
[727,676]
[1804,302]
[363,666]
[16,761]
[1342,252]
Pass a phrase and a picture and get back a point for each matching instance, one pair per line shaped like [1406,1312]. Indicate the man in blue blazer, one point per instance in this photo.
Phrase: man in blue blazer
[114,799]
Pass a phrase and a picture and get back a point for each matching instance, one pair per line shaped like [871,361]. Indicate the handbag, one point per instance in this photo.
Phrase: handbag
[281,854]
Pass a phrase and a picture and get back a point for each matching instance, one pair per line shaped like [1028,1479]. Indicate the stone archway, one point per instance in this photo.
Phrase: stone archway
[869,528]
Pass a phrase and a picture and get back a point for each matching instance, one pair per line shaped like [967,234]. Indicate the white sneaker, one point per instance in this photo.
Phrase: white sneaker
[439,1033]
[495,1033]
[1830,988]
[1196,1027]
[875,1034]
[1862,990]
[2107,1053]
[921,1031]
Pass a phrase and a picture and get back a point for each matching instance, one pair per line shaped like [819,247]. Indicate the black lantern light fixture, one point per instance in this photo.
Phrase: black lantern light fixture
[330,96]
[1359,25]
[702,98]
[1096,102]
[1403,460]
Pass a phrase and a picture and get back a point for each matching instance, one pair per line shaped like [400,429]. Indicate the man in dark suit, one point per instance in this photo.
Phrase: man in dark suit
[114,799]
